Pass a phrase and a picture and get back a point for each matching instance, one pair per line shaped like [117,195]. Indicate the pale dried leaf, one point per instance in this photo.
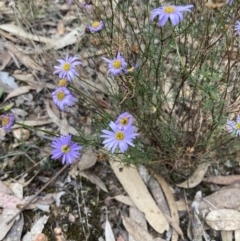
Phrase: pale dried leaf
[196,177]
[26,60]
[4,188]
[10,201]
[227,235]
[223,219]
[124,199]
[5,59]
[195,229]
[237,235]
[88,159]
[63,124]
[174,219]
[5,216]
[220,199]
[130,179]
[34,122]
[182,206]
[65,128]
[21,134]
[109,236]
[60,28]
[15,232]
[69,39]
[13,29]
[136,230]
[36,229]
[94,179]
[139,218]
[143,172]
[158,195]
[8,80]
[173,223]
[19,91]
[42,207]
[17,189]
[223,180]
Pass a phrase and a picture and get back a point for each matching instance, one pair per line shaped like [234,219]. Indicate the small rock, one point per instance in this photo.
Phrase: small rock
[71,218]
[41,237]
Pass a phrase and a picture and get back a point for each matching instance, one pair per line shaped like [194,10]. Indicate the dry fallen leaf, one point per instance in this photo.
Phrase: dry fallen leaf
[60,28]
[237,235]
[124,199]
[172,206]
[19,91]
[137,217]
[69,39]
[5,59]
[222,180]
[21,134]
[109,236]
[88,159]
[220,199]
[63,124]
[15,232]
[14,29]
[223,219]
[6,215]
[34,123]
[136,230]
[36,229]
[130,179]
[227,235]
[26,60]
[94,179]
[196,177]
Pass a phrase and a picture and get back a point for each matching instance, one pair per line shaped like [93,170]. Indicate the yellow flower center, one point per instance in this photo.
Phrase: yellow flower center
[60,95]
[124,121]
[62,82]
[117,64]
[238,126]
[95,24]
[66,66]
[119,135]
[5,121]
[169,9]
[65,149]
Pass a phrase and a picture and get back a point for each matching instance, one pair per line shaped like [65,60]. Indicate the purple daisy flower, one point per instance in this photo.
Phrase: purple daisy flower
[118,137]
[237,28]
[70,1]
[117,65]
[65,148]
[124,121]
[230,2]
[234,126]
[66,68]
[87,5]
[62,97]
[174,13]
[7,121]
[95,27]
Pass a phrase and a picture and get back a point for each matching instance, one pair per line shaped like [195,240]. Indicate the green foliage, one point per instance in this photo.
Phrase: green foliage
[185,82]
